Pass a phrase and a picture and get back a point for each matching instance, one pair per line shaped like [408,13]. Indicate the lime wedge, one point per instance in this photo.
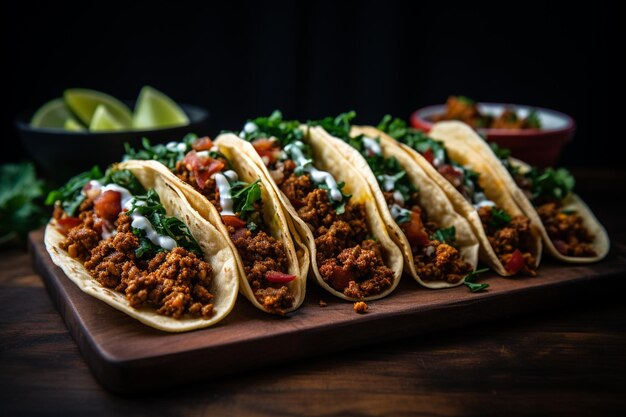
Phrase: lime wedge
[52,114]
[104,120]
[154,109]
[84,102]
[74,125]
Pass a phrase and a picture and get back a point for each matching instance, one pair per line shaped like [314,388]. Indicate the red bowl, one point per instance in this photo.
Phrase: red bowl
[541,147]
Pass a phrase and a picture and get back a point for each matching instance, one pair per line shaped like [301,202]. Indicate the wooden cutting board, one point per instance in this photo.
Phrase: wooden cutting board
[127,356]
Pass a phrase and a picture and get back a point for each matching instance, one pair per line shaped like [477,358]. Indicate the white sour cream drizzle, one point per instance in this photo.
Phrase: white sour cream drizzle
[294,150]
[176,146]
[397,196]
[397,211]
[249,127]
[226,199]
[139,221]
[371,145]
[480,200]
[389,182]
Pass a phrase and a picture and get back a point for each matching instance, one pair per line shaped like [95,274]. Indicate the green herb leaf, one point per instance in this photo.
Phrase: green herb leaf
[532,120]
[149,205]
[466,100]
[70,194]
[245,196]
[123,178]
[501,153]
[168,155]
[285,131]
[336,126]
[339,206]
[551,183]
[20,191]
[470,280]
[396,128]
[445,235]
[476,287]
[499,218]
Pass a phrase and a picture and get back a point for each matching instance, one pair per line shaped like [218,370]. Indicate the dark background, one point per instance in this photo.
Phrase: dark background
[312,59]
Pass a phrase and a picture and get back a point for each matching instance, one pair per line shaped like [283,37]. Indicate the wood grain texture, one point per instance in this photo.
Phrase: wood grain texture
[568,361]
[558,362]
[127,356]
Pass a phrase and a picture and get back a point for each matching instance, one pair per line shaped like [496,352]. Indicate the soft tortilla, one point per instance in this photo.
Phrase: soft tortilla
[211,241]
[431,198]
[273,215]
[453,135]
[327,159]
[573,202]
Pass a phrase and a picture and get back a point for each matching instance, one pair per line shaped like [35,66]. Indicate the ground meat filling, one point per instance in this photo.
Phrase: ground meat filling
[260,252]
[507,240]
[433,260]
[439,261]
[175,283]
[567,231]
[348,260]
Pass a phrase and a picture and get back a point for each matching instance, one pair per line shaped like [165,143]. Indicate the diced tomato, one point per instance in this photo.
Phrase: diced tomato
[202,144]
[516,263]
[340,278]
[267,150]
[233,221]
[452,174]
[264,144]
[278,277]
[429,155]
[450,171]
[202,167]
[65,224]
[108,205]
[414,230]
[268,157]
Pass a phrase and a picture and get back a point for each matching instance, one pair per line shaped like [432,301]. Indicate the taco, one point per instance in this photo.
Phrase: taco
[438,244]
[130,239]
[570,231]
[510,242]
[352,255]
[230,191]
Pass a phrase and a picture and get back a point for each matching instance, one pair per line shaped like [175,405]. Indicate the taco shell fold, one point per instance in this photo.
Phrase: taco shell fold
[216,252]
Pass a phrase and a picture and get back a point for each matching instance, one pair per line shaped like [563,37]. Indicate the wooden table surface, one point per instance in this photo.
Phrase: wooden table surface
[566,361]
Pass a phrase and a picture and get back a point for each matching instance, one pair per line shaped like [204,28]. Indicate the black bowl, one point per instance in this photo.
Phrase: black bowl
[61,154]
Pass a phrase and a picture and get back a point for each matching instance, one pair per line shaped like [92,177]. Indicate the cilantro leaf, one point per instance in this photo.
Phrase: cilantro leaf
[551,183]
[285,131]
[70,194]
[470,280]
[338,126]
[149,205]
[499,218]
[532,120]
[20,191]
[167,154]
[445,235]
[123,178]
[245,196]
[476,287]
[339,206]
